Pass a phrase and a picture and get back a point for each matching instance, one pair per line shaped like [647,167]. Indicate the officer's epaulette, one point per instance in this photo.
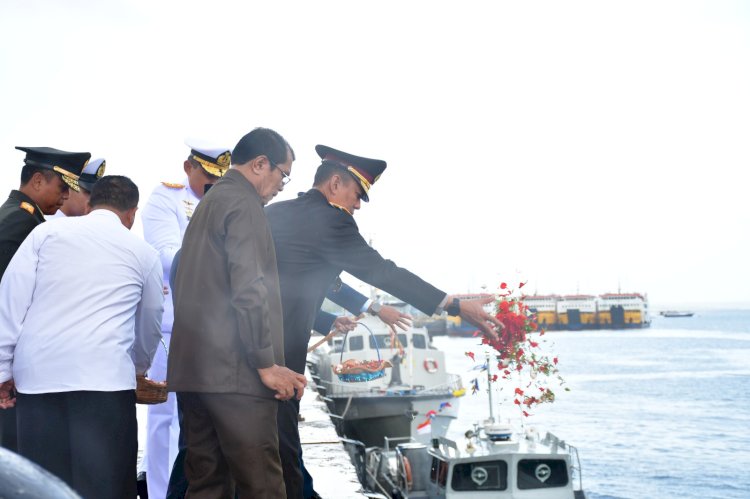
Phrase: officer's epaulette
[172,186]
[28,207]
[338,206]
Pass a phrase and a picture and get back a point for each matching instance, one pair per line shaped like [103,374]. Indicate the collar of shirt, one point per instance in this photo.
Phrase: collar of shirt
[235,176]
[105,213]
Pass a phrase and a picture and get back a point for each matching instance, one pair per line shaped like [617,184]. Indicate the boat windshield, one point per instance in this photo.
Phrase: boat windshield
[483,475]
[386,341]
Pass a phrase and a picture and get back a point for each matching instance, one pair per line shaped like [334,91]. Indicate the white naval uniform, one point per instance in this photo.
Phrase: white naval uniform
[59,335]
[165,218]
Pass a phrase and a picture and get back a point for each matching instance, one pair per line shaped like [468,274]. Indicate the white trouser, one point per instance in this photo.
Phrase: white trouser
[162,431]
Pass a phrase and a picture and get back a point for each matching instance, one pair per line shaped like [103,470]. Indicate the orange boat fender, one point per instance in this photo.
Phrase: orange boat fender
[407,472]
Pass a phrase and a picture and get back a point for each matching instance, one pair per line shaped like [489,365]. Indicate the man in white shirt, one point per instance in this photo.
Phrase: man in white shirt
[165,218]
[80,313]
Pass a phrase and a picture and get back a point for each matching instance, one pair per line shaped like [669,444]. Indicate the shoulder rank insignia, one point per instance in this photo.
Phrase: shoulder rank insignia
[340,207]
[27,206]
[172,186]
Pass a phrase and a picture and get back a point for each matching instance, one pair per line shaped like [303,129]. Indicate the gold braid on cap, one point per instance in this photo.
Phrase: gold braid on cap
[365,183]
[217,169]
[69,178]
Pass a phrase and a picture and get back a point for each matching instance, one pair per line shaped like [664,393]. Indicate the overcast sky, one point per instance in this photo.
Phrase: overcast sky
[580,146]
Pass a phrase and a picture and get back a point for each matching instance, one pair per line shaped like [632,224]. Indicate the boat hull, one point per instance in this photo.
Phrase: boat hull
[372,419]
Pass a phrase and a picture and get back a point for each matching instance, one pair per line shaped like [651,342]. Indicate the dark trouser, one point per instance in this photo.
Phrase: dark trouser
[232,440]
[178,485]
[88,439]
[290,448]
[8,435]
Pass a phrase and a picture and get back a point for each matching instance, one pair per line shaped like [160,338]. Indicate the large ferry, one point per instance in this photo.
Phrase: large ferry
[575,312]
[606,311]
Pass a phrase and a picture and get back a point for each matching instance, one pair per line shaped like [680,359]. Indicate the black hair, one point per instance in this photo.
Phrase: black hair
[262,142]
[328,169]
[28,171]
[114,191]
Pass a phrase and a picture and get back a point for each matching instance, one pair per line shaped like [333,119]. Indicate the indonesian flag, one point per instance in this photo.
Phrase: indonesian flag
[425,427]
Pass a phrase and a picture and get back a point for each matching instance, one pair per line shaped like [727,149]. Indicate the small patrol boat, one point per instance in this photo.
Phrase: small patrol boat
[676,313]
[494,461]
[397,401]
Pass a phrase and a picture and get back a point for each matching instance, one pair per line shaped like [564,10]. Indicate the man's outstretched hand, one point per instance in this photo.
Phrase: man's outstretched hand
[392,317]
[473,312]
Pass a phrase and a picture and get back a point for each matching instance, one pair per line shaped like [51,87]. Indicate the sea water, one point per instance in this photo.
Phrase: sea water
[662,412]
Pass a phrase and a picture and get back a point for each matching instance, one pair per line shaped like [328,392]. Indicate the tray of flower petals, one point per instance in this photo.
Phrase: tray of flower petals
[358,371]
[354,371]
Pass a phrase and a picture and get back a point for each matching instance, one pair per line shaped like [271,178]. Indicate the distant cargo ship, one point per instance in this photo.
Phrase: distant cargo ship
[576,312]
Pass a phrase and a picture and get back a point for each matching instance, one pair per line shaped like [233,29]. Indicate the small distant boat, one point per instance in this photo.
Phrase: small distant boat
[675,313]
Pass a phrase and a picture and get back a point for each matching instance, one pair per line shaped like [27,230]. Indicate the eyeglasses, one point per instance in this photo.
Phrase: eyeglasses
[285,178]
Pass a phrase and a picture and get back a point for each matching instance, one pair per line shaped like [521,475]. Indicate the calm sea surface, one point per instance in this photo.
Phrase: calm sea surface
[661,412]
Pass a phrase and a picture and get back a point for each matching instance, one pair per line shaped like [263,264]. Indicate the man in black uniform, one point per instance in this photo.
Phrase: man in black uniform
[316,238]
[45,180]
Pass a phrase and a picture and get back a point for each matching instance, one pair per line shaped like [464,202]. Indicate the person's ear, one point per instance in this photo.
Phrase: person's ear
[258,163]
[130,215]
[188,167]
[336,182]
[37,181]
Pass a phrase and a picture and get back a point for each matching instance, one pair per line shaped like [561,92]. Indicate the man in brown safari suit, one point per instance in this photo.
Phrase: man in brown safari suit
[226,360]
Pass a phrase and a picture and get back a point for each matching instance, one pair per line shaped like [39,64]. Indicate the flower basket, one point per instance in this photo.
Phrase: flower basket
[148,391]
[359,371]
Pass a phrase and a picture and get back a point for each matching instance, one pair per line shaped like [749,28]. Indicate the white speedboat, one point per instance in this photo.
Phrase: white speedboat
[397,404]
[494,461]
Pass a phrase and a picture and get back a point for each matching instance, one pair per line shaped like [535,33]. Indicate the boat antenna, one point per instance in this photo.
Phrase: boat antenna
[489,386]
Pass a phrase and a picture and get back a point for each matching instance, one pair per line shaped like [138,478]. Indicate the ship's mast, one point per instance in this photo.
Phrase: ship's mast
[489,386]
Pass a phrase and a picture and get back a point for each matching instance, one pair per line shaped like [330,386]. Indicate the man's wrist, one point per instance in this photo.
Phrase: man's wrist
[366,306]
[441,306]
[375,308]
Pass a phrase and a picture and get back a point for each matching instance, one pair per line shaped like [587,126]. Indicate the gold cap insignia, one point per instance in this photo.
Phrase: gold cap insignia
[100,170]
